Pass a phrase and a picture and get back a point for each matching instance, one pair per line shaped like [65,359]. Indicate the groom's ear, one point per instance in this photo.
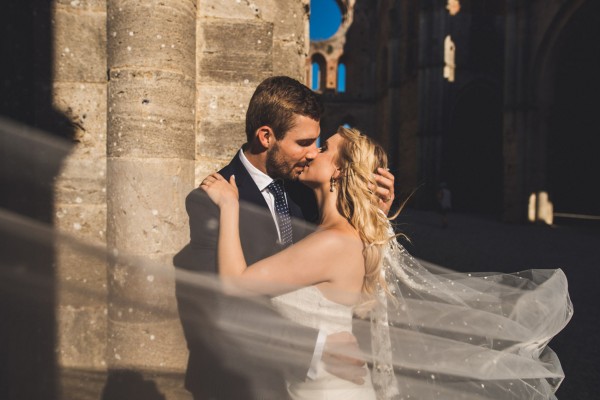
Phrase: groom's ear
[265,136]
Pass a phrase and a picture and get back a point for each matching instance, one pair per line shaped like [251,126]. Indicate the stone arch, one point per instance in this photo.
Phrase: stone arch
[472,149]
[565,90]
[318,68]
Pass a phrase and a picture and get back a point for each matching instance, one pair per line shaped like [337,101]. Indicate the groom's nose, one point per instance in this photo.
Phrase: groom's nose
[312,152]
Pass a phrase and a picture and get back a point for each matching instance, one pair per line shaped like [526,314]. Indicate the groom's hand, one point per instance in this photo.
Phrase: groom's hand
[343,358]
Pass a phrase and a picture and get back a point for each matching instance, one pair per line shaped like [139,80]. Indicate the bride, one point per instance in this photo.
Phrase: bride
[353,264]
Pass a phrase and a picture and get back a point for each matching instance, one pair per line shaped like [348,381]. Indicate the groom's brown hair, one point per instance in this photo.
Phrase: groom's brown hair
[275,102]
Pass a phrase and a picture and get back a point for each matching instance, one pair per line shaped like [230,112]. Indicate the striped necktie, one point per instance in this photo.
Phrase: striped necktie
[283,212]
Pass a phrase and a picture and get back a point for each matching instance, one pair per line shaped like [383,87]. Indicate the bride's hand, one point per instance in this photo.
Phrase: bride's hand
[221,192]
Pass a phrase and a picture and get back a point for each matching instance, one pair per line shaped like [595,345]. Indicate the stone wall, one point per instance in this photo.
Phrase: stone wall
[157,93]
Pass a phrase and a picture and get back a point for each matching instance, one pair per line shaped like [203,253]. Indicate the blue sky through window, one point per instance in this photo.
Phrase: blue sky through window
[325,19]
[341,83]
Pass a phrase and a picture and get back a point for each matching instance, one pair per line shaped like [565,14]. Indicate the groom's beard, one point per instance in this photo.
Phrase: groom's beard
[278,168]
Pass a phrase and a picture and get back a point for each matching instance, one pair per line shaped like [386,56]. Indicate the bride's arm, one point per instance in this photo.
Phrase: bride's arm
[313,260]
[230,256]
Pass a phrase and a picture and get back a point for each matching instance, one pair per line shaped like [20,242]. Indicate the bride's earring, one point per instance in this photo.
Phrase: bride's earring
[331,184]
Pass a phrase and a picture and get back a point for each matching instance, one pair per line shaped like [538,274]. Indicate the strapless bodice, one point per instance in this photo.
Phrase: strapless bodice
[308,306]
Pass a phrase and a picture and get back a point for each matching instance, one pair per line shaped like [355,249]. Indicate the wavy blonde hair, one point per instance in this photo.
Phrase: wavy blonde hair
[359,157]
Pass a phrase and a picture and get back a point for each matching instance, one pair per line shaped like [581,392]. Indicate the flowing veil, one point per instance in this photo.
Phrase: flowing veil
[466,336]
[432,335]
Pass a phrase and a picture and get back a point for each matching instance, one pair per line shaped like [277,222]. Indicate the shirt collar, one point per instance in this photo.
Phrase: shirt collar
[261,179]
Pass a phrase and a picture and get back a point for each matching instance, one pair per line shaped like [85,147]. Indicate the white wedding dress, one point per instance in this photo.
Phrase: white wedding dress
[309,307]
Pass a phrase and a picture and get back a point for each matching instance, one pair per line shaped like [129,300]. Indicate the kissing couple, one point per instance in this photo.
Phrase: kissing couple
[431,335]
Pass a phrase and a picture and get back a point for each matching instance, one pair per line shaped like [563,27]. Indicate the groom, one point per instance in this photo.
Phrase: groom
[282,127]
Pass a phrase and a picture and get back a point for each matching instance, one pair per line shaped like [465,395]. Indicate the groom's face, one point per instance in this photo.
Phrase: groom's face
[287,158]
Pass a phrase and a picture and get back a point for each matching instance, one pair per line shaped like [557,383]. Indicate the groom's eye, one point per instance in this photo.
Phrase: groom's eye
[323,148]
[306,143]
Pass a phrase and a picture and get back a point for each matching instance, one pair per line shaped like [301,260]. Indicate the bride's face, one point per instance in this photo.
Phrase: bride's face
[320,170]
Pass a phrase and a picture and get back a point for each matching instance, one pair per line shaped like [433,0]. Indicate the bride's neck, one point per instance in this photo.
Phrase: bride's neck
[328,212]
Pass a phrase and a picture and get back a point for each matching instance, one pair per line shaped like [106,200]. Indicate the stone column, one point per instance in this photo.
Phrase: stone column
[79,93]
[150,165]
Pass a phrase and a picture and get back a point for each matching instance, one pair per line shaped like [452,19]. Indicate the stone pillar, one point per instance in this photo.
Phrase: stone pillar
[150,166]
[79,93]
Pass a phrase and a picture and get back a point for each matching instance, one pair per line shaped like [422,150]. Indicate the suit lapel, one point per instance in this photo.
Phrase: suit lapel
[248,190]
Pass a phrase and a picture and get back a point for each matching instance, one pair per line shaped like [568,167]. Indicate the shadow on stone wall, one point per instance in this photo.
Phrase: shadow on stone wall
[28,168]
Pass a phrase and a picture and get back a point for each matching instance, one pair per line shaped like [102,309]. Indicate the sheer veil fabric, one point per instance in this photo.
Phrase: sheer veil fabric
[466,336]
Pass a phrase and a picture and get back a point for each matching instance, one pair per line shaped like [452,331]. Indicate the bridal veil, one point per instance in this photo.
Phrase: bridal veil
[466,336]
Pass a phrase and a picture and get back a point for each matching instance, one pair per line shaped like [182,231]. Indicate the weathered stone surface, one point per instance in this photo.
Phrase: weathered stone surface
[151,114]
[79,46]
[80,254]
[146,208]
[142,289]
[152,35]
[288,59]
[220,139]
[207,165]
[231,9]
[219,102]
[86,222]
[160,344]
[85,105]
[234,52]
[81,181]
[82,336]
[82,5]
[288,17]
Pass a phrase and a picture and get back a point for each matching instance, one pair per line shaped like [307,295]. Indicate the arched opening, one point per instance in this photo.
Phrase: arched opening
[472,151]
[319,72]
[573,133]
[341,78]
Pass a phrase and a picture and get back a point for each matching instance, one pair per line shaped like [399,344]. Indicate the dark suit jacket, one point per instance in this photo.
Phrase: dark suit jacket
[216,359]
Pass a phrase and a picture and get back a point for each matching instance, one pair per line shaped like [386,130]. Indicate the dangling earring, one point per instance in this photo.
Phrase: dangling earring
[331,184]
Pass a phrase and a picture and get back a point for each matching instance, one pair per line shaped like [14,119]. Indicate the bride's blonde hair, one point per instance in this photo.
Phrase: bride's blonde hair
[359,157]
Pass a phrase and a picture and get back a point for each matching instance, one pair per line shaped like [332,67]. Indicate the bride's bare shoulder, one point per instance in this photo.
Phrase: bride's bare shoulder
[337,239]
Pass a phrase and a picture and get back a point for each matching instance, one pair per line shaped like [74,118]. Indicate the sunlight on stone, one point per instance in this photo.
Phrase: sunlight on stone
[540,208]
[453,7]
[449,57]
